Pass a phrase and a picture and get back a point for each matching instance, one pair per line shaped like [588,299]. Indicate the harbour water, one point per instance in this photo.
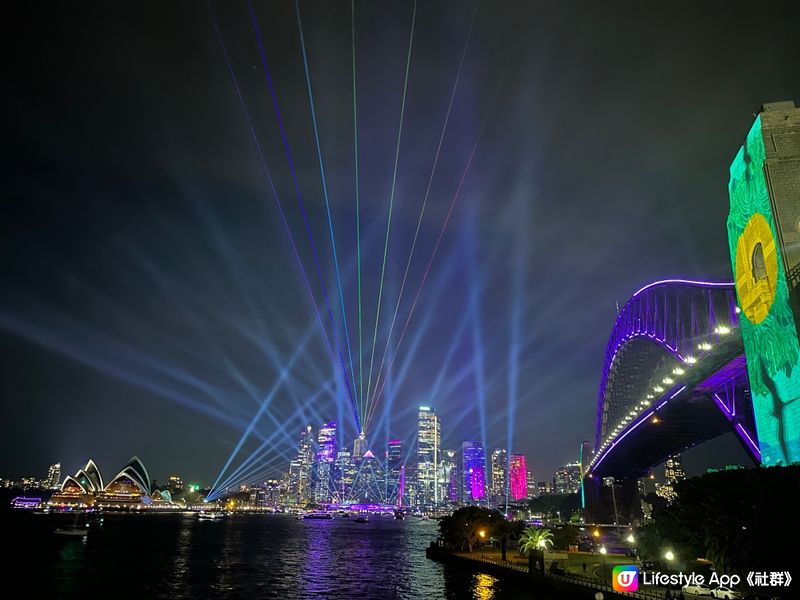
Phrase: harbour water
[253,556]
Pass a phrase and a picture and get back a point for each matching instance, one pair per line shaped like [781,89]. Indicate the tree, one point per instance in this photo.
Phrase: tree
[738,519]
[461,530]
[504,530]
[566,536]
[535,538]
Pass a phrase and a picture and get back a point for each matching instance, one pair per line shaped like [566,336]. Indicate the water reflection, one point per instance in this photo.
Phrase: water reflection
[258,556]
[484,586]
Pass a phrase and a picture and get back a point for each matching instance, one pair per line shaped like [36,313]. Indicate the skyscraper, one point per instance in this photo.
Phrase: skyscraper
[326,453]
[567,479]
[673,473]
[394,462]
[54,476]
[518,477]
[359,446]
[448,477]
[499,480]
[533,490]
[474,472]
[428,449]
[298,481]
[344,472]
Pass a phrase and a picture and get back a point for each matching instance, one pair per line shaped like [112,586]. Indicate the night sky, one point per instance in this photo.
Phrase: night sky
[151,298]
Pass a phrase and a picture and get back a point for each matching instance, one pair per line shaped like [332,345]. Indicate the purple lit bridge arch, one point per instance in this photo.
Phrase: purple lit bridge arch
[674,376]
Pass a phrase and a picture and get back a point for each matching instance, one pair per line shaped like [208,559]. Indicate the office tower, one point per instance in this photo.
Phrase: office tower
[298,481]
[567,479]
[53,481]
[359,446]
[533,491]
[673,473]
[543,488]
[394,463]
[448,474]
[473,460]
[518,478]
[326,452]
[344,473]
[428,448]
[498,481]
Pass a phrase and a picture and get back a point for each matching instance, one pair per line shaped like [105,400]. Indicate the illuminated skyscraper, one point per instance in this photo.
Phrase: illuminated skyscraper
[673,473]
[518,478]
[369,484]
[359,446]
[344,472]
[394,462]
[448,475]
[298,481]
[533,491]
[499,480]
[54,476]
[473,460]
[428,449]
[567,479]
[326,453]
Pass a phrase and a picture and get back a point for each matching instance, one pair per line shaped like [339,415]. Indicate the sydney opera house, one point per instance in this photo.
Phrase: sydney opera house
[130,488]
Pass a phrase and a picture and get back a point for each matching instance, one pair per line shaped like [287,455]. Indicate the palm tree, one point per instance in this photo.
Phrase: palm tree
[535,538]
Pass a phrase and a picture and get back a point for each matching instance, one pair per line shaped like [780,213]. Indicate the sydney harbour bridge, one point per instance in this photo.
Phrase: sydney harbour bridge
[687,361]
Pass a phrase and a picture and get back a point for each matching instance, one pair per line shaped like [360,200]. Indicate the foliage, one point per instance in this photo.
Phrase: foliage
[461,529]
[566,536]
[535,538]
[739,519]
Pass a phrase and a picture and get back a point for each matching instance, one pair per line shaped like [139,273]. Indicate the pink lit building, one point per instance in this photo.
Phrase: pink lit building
[518,477]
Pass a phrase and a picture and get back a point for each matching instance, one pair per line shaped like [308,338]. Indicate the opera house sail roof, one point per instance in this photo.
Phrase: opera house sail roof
[131,485]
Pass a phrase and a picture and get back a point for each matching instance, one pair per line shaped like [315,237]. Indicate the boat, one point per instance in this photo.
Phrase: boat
[74,530]
[361,519]
[318,515]
[210,516]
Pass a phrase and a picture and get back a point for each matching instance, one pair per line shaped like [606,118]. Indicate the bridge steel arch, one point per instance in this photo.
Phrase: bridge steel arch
[663,322]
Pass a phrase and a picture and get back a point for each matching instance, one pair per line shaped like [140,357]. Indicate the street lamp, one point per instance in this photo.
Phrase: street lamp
[669,555]
[482,533]
[603,551]
[630,538]
[596,533]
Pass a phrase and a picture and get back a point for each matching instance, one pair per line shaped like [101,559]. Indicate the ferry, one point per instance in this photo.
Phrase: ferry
[361,519]
[318,515]
[210,516]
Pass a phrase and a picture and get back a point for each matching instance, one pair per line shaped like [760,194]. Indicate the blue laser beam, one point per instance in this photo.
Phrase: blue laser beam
[302,207]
